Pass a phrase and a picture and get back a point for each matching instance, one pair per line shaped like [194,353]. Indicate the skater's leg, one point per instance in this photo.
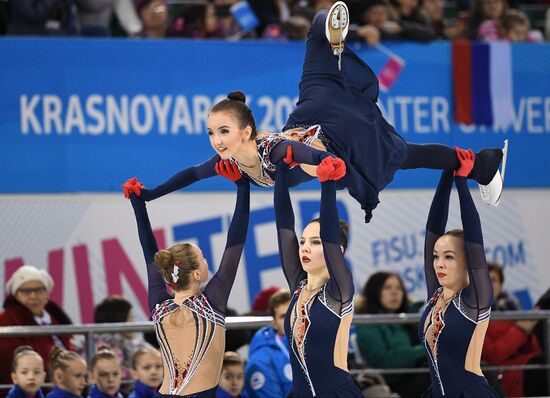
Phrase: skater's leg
[435,156]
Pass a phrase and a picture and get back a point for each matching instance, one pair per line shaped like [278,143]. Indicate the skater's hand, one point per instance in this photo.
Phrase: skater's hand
[132,185]
[228,170]
[466,158]
[331,169]
[288,158]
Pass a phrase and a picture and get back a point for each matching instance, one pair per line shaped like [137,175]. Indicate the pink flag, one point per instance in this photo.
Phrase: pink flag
[390,72]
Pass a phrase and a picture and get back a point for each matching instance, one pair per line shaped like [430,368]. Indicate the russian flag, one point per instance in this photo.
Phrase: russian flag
[482,83]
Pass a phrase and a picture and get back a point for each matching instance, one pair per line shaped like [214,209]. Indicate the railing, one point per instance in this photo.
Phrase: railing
[250,322]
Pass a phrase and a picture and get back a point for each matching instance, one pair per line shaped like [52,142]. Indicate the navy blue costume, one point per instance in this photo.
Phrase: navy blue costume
[191,335]
[447,332]
[142,391]
[268,373]
[17,392]
[315,325]
[341,107]
[95,392]
[60,393]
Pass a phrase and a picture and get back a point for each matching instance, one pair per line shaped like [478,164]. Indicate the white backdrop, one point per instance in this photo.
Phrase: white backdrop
[90,245]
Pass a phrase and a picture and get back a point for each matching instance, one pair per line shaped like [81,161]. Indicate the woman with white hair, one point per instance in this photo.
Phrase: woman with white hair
[28,304]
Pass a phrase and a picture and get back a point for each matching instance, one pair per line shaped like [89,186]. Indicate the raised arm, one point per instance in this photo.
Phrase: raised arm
[478,296]
[219,287]
[435,227]
[340,284]
[156,284]
[182,179]
[286,235]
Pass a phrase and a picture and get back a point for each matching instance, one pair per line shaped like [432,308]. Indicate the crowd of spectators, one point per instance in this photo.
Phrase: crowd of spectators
[371,20]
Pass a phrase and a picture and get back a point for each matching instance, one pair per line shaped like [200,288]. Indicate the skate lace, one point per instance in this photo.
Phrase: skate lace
[485,191]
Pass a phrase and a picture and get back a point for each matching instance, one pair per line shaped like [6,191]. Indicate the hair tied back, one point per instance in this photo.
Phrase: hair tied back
[237,96]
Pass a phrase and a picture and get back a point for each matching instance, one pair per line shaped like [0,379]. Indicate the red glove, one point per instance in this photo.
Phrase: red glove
[288,158]
[466,158]
[331,169]
[132,185]
[228,170]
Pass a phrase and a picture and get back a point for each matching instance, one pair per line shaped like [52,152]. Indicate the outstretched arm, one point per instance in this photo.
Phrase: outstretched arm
[182,179]
[156,284]
[301,153]
[435,227]
[219,287]
[284,218]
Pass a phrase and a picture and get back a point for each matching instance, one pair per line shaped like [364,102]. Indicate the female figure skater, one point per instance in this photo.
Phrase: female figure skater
[336,112]
[190,326]
[460,293]
[321,309]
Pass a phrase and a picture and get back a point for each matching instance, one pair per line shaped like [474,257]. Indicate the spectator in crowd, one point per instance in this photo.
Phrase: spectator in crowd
[154,17]
[39,18]
[516,28]
[116,309]
[260,304]
[226,25]
[232,376]
[271,14]
[391,346]
[105,374]
[511,342]
[377,24]
[94,17]
[268,372]
[486,18]
[28,304]
[27,373]
[503,301]
[432,12]
[147,373]
[68,372]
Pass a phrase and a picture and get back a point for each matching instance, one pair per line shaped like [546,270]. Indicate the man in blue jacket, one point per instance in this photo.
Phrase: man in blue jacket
[268,373]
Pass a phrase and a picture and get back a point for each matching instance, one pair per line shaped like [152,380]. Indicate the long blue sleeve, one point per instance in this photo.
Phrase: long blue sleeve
[156,286]
[286,235]
[182,179]
[219,287]
[435,227]
[478,296]
[340,285]
[301,153]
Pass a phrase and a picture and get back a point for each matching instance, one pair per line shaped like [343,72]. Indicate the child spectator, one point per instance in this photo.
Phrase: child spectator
[27,373]
[68,373]
[268,372]
[516,28]
[147,372]
[232,377]
[105,374]
[485,19]
[114,309]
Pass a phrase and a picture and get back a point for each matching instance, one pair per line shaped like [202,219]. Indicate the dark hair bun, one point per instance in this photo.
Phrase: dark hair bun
[237,96]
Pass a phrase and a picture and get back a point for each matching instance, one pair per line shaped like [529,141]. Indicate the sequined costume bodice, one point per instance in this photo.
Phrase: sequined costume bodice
[317,322]
[191,330]
[452,330]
